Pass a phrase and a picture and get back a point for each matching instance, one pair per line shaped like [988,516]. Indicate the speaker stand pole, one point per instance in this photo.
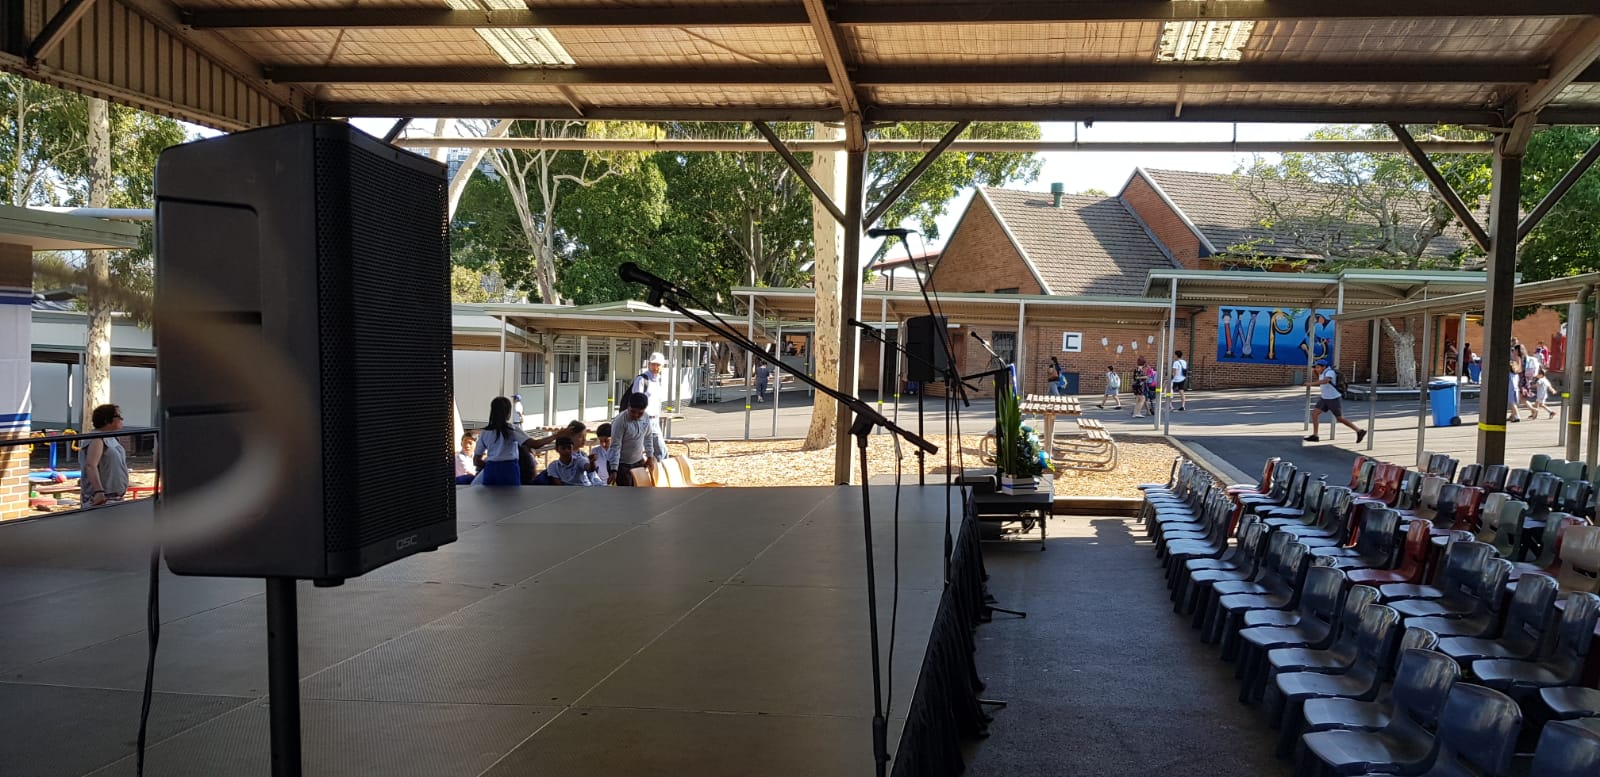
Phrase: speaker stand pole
[283,675]
[922,465]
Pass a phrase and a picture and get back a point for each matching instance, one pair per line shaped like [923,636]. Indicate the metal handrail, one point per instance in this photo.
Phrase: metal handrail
[53,439]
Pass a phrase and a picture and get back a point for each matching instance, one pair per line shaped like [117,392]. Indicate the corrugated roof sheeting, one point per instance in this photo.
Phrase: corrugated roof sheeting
[142,52]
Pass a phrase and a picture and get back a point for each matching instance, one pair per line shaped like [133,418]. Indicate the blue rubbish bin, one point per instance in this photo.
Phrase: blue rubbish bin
[1474,371]
[1442,398]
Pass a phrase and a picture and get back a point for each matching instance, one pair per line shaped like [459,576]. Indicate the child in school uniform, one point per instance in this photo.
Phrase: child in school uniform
[1113,388]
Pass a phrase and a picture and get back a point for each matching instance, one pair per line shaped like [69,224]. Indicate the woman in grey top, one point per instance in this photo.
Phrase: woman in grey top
[105,463]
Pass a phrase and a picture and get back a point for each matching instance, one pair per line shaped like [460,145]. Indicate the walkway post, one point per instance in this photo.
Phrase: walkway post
[672,367]
[777,378]
[1593,430]
[1172,333]
[1572,398]
[1161,381]
[1504,212]
[899,362]
[883,315]
[749,380]
[1422,389]
[1016,351]
[583,378]
[550,381]
[1461,345]
[1338,310]
[1311,367]
[503,390]
[1372,391]
[611,378]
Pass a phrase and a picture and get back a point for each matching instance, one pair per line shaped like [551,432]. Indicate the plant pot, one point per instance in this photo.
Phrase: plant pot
[1013,484]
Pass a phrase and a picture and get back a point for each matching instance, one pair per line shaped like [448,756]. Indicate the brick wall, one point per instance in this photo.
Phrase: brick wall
[14,481]
[1165,223]
[980,257]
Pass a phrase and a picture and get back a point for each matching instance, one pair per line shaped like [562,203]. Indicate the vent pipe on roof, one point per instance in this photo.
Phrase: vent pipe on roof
[1056,190]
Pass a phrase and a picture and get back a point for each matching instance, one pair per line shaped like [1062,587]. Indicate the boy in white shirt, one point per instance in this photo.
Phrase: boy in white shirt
[1330,400]
[1180,381]
[597,454]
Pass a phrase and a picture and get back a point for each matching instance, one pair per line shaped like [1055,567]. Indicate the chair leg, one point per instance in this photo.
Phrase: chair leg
[1230,635]
[1242,657]
[1289,727]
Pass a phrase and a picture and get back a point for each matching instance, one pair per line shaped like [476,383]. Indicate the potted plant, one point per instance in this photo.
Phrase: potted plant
[1020,456]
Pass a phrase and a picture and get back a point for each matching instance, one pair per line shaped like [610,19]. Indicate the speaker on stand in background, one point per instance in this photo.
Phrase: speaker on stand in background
[928,360]
[324,251]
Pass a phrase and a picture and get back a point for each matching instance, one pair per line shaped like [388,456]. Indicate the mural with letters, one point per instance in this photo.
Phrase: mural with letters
[1273,335]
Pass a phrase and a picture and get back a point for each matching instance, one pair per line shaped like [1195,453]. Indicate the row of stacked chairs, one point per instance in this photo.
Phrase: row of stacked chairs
[1367,651]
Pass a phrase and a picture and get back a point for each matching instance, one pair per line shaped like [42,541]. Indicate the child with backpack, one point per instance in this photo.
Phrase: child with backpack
[1113,388]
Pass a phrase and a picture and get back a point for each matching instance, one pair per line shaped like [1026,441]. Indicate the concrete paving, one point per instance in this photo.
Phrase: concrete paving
[1241,427]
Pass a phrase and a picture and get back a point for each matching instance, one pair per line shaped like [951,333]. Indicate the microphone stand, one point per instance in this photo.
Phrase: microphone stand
[865,419]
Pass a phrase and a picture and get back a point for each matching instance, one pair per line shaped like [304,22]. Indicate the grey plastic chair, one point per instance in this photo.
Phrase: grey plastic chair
[1376,635]
[1563,665]
[1313,624]
[1477,734]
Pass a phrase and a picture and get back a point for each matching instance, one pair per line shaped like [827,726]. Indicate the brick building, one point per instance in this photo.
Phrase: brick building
[1201,228]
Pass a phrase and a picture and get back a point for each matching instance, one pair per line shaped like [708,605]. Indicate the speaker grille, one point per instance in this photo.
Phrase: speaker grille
[334,337]
[395,280]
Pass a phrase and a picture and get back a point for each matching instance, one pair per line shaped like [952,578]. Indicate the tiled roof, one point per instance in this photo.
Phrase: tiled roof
[1089,245]
[1221,207]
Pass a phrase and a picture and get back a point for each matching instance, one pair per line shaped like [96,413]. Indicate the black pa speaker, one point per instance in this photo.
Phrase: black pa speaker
[928,359]
[327,251]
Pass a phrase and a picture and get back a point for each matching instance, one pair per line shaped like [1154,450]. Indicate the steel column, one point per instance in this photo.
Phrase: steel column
[777,378]
[1422,390]
[749,378]
[1333,358]
[611,378]
[550,384]
[1311,374]
[1593,430]
[1572,398]
[883,345]
[503,391]
[672,367]
[850,307]
[1172,334]
[1372,388]
[1506,191]
[583,377]
[1461,346]
[1017,351]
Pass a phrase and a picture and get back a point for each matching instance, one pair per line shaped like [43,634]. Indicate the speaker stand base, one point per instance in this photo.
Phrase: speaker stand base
[283,675]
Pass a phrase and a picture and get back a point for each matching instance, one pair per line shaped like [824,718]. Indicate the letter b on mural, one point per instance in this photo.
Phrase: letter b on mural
[1276,335]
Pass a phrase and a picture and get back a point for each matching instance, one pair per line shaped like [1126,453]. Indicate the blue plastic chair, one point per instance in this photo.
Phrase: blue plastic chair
[1568,750]
[1477,734]
[1354,737]
[1313,624]
[1476,609]
[1564,664]
[1569,701]
[1376,635]
[1528,620]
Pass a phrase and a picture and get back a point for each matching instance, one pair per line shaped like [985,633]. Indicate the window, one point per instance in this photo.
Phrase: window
[566,368]
[533,369]
[599,368]
[1005,344]
[1012,290]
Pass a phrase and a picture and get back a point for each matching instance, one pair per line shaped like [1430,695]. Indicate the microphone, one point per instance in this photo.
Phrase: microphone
[860,325]
[632,273]
[890,232]
[979,339]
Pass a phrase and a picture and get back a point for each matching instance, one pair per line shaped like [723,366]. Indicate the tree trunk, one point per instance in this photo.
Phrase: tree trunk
[1405,355]
[828,167]
[97,357]
[458,184]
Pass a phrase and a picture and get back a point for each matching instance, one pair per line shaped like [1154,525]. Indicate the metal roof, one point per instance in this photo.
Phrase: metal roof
[45,231]
[477,327]
[793,305]
[1362,288]
[240,63]
[1547,292]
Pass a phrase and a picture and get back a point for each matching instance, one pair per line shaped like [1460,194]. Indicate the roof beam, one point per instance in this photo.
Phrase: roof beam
[1567,65]
[800,171]
[850,14]
[830,43]
[56,29]
[1445,191]
[837,74]
[911,176]
[968,145]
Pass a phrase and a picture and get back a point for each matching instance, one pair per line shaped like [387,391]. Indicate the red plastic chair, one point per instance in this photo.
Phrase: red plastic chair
[1413,560]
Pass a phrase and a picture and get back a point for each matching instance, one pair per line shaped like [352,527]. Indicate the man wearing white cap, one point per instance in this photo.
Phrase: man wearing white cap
[650,384]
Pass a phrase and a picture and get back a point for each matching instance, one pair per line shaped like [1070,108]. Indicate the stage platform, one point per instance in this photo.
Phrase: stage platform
[567,632]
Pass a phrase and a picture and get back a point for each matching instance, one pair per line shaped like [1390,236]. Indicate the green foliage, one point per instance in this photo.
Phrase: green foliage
[1018,450]
[44,160]
[1567,241]
[712,220]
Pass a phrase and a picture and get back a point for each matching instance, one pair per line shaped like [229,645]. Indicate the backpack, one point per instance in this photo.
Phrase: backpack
[622,402]
[1339,383]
